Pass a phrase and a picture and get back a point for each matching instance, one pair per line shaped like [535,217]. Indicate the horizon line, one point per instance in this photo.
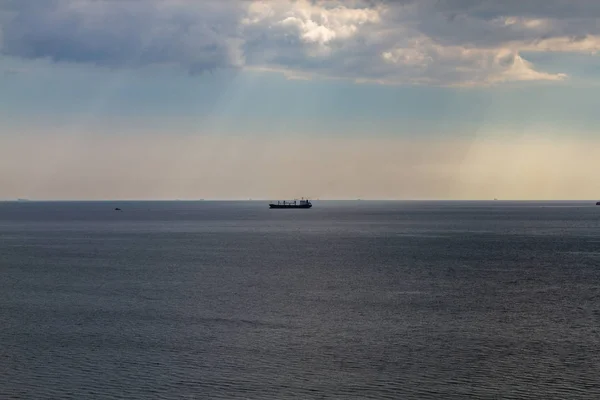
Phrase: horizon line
[25,200]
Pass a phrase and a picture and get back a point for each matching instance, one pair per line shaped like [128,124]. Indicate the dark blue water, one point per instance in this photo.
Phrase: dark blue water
[348,300]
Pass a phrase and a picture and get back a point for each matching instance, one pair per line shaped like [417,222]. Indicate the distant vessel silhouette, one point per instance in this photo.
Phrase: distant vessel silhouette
[292,204]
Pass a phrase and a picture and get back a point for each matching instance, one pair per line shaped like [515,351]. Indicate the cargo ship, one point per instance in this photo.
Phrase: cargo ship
[291,204]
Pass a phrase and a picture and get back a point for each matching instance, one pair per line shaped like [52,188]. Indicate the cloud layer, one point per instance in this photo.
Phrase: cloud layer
[448,42]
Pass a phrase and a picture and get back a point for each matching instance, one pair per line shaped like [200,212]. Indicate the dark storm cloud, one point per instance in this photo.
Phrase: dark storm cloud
[123,33]
[425,41]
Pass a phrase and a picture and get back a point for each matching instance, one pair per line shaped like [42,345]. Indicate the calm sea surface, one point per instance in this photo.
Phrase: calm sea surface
[348,300]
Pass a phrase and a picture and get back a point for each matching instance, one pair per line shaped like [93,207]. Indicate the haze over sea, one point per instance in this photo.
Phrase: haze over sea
[348,300]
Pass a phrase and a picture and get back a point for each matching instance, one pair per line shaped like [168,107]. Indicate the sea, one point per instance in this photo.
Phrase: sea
[347,300]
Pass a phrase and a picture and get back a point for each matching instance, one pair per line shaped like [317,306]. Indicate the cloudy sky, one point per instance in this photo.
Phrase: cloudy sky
[406,99]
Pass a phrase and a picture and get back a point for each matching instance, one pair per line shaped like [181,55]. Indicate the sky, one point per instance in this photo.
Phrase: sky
[278,99]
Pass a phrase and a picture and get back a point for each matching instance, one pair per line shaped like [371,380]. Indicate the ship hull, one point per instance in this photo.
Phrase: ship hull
[290,205]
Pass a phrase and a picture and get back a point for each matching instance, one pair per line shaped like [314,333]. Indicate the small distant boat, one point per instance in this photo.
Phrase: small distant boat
[598,203]
[291,204]
[118,209]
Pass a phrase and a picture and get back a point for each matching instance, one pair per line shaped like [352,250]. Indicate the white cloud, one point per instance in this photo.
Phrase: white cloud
[464,65]
[447,42]
[520,70]
[317,24]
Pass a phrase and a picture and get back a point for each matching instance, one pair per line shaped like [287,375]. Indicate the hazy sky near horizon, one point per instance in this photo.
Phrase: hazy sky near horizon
[427,99]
